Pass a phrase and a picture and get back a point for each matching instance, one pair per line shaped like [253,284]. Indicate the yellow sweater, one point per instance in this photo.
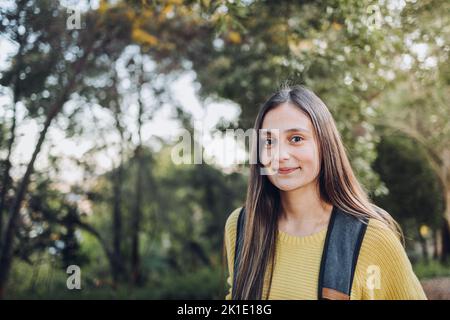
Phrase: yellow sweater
[383,270]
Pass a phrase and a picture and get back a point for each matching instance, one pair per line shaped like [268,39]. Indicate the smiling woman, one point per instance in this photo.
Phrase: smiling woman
[308,229]
[290,151]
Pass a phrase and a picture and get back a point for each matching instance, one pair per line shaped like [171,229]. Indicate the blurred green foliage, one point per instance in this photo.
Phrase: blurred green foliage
[389,99]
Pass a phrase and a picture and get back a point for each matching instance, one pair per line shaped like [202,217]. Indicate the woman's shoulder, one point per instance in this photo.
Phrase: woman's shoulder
[231,223]
[383,261]
[230,231]
[380,232]
[381,242]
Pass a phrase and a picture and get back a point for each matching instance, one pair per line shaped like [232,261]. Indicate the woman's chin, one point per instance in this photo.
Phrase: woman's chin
[288,186]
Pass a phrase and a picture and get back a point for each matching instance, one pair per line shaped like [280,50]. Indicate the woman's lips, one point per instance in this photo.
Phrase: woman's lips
[286,170]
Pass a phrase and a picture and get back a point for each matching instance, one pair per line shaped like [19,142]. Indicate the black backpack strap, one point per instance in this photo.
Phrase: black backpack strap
[340,254]
[239,244]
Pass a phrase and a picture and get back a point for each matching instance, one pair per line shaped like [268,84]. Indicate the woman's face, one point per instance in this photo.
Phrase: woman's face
[288,148]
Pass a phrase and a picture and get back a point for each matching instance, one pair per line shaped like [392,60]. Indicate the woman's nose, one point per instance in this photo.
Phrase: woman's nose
[281,153]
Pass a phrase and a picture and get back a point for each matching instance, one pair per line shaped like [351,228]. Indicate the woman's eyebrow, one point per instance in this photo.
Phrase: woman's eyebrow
[297,130]
[269,131]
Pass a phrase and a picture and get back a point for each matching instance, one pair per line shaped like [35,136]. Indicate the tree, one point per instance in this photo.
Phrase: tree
[415,198]
[417,105]
[330,46]
[16,32]
[68,55]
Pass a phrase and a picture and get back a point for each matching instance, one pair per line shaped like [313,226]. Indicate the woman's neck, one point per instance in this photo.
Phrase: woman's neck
[303,212]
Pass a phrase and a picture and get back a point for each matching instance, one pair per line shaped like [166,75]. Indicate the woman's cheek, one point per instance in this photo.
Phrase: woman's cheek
[305,154]
[309,161]
[266,159]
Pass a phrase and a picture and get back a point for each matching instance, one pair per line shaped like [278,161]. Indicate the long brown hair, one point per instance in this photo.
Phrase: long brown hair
[337,186]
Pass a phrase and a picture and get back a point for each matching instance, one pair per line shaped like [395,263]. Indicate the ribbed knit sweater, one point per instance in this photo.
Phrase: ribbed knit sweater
[383,270]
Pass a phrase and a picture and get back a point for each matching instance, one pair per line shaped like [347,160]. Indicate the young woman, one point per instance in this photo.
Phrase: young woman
[302,179]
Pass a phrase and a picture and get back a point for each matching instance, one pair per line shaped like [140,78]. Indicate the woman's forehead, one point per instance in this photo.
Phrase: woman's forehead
[286,117]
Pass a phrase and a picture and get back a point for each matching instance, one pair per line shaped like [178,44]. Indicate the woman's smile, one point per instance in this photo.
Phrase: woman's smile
[287,170]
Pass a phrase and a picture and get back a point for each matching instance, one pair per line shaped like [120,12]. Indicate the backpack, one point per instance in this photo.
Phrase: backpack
[343,241]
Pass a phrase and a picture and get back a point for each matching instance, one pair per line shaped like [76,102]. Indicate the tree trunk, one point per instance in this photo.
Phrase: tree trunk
[445,235]
[137,212]
[118,268]
[136,219]
[423,243]
[435,244]
[6,178]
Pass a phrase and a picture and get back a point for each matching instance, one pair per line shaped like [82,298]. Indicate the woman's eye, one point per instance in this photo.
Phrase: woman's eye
[268,142]
[296,139]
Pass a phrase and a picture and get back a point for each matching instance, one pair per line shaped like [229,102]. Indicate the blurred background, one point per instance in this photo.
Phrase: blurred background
[96,95]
